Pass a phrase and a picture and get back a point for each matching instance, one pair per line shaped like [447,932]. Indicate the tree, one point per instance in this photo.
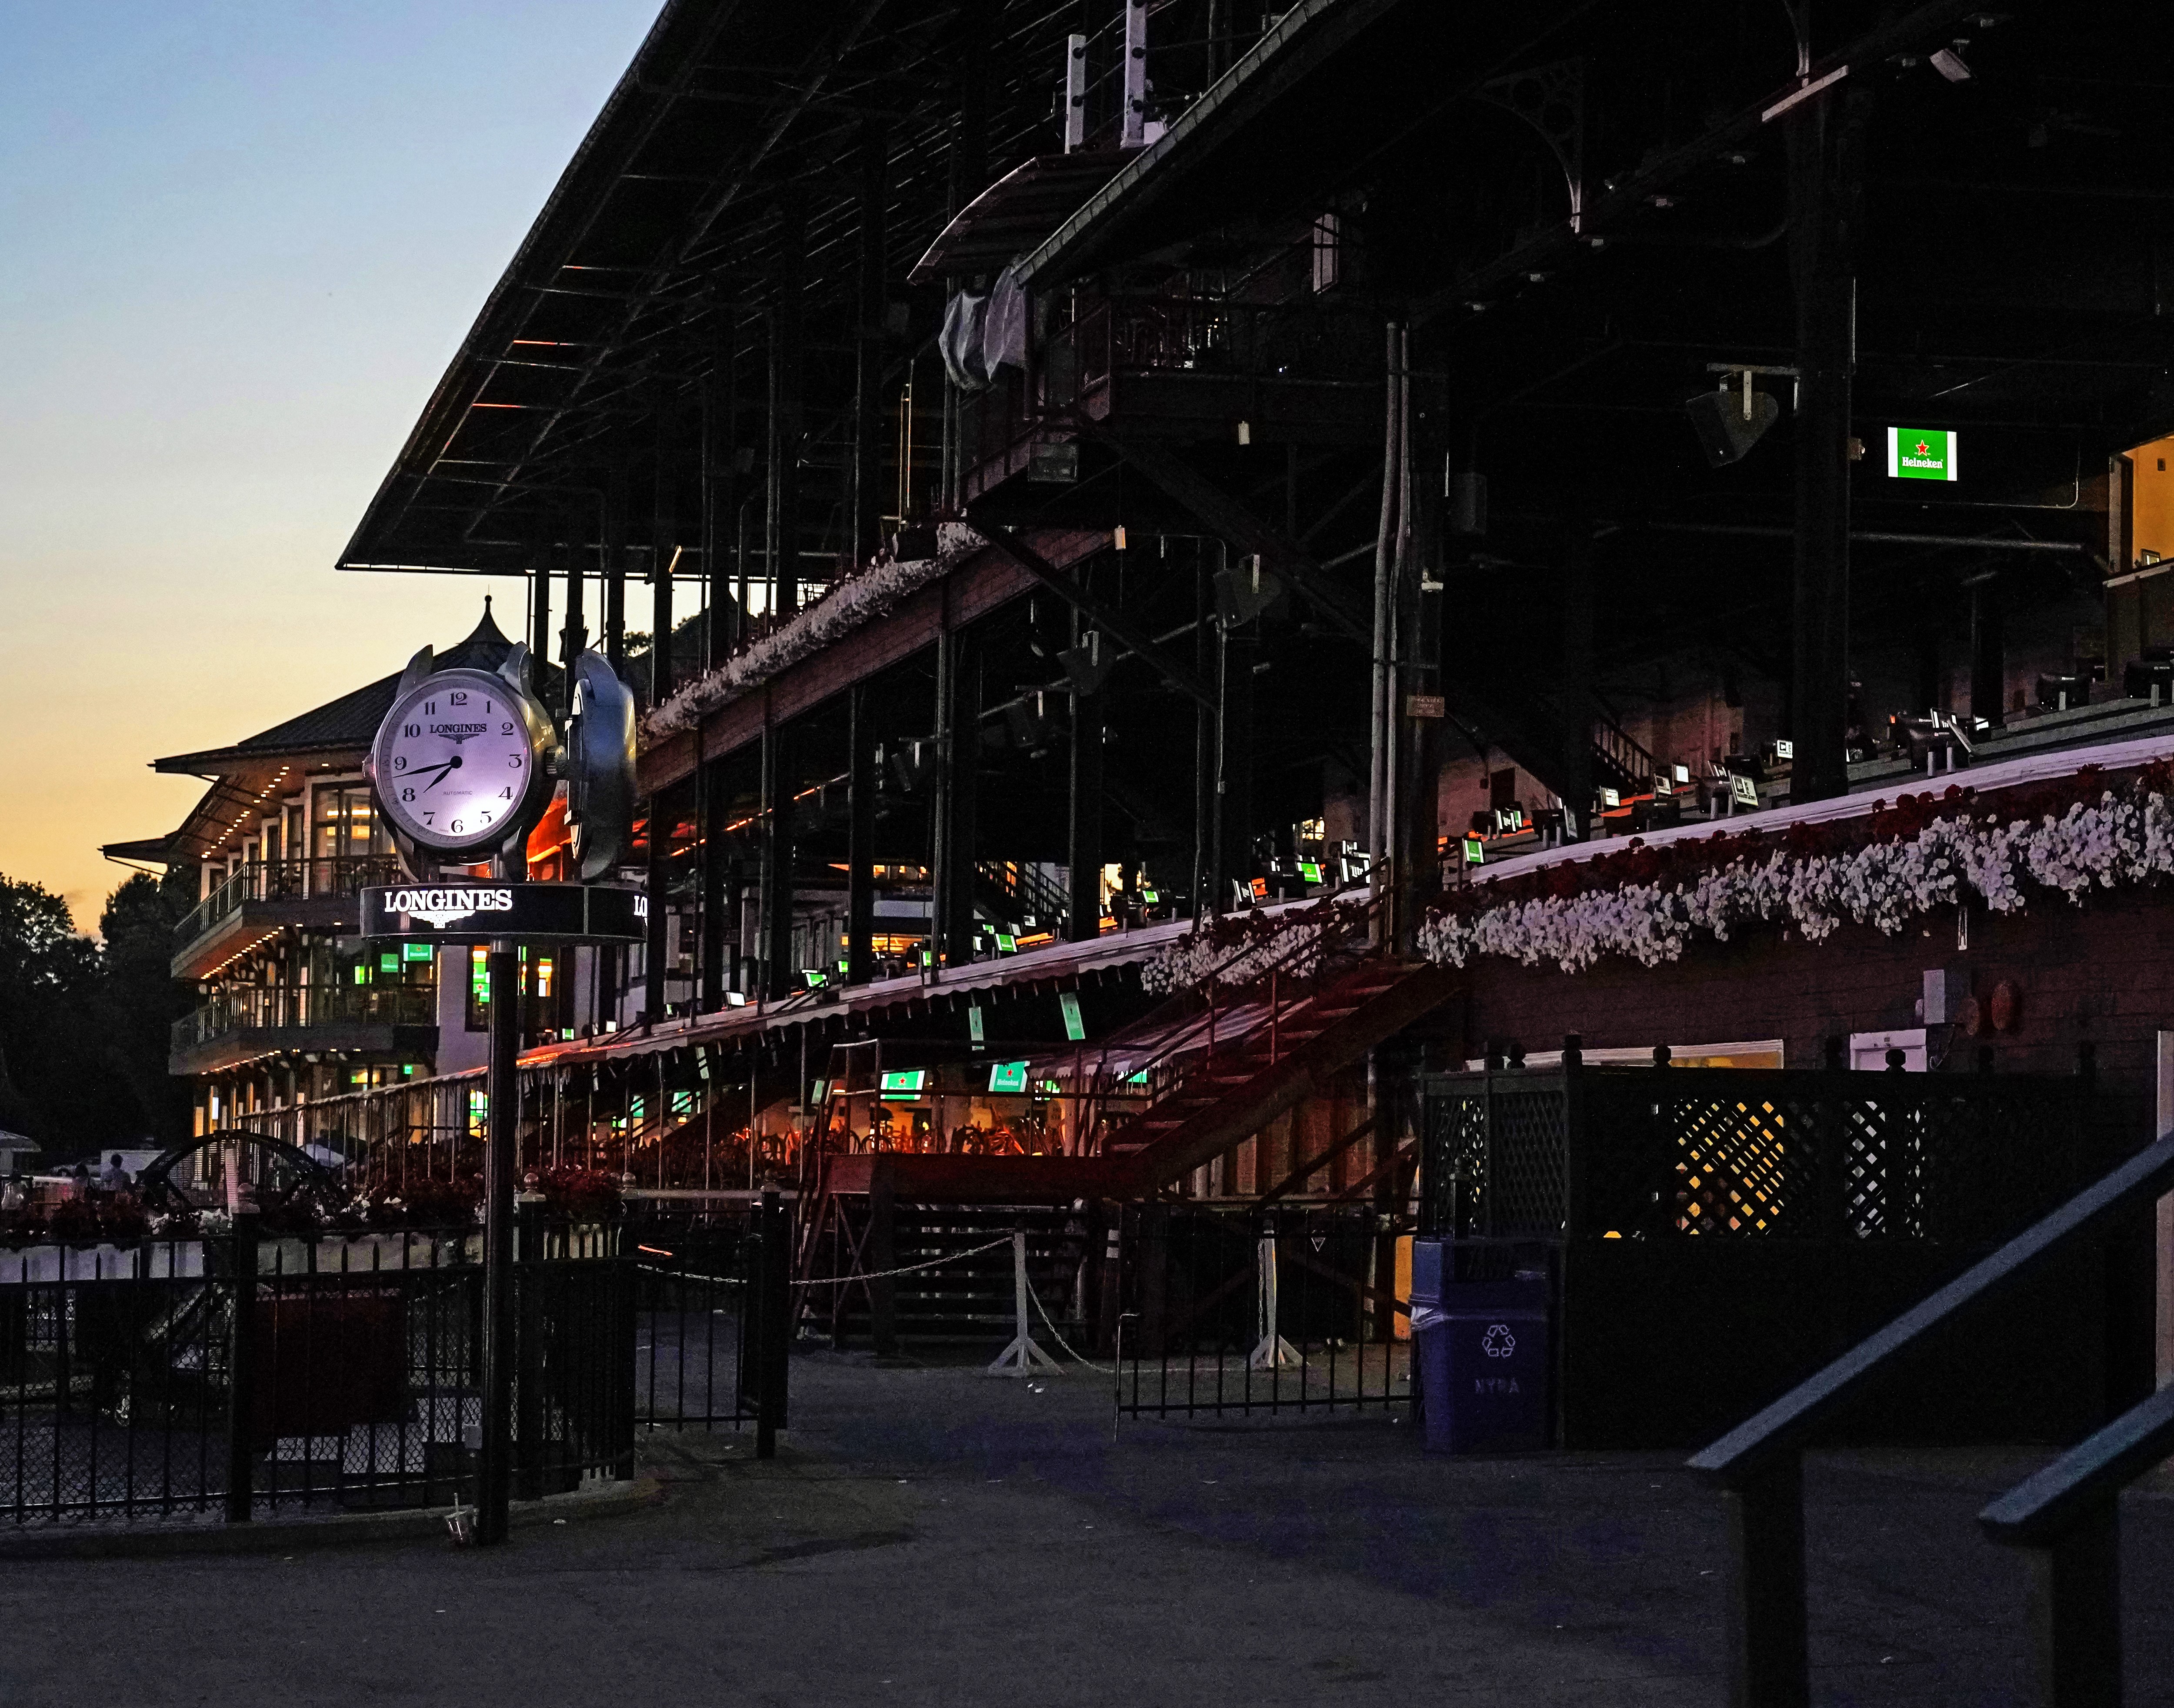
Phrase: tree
[141,998]
[50,1072]
[84,1030]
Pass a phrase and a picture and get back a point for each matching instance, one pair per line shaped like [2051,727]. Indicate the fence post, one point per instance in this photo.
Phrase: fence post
[1764,1617]
[2076,1611]
[529,1349]
[774,1316]
[242,1371]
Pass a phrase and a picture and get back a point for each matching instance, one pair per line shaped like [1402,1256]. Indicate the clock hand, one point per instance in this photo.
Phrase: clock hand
[450,764]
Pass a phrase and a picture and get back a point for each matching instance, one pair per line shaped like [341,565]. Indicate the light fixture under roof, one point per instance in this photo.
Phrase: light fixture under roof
[1949,64]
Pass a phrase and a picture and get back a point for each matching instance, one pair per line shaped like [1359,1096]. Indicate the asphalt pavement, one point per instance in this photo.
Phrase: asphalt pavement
[931,1536]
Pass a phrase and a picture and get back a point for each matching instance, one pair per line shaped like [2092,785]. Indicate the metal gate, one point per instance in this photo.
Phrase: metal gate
[711,1304]
[1243,1311]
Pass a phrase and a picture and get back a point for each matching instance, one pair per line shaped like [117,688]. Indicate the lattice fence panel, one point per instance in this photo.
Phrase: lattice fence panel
[1525,1185]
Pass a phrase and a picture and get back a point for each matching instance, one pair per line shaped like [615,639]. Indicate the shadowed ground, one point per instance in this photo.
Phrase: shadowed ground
[929,1535]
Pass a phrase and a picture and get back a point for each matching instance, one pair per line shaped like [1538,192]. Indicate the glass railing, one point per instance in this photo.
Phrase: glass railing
[288,880]
[249,1007]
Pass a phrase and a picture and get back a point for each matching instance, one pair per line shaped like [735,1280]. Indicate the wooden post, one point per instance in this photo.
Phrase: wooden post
[883,1255]
[2075,1612]
[1766,1661]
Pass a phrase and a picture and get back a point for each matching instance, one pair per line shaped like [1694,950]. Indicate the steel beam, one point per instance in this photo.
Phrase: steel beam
[1106,618]
[1230,520]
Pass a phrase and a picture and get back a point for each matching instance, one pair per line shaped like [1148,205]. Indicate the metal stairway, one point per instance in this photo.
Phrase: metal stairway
[1221,1086]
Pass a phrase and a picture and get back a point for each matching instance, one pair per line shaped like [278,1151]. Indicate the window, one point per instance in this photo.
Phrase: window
[347,828]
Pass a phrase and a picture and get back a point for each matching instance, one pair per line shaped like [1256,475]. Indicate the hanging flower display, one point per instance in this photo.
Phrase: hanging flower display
[1899,863]
[1645,904]
[852,601]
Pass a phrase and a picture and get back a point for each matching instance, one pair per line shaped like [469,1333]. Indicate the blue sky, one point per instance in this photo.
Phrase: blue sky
[238,245]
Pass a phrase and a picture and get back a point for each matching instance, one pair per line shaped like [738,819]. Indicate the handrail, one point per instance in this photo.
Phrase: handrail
[2066,1510]
[1787,1424]
[1186,1042]
[2044,1505]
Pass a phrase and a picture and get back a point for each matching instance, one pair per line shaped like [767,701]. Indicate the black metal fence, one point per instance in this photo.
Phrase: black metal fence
[1714,1234]
[1297,1309]
[712,1292]
[248,1373]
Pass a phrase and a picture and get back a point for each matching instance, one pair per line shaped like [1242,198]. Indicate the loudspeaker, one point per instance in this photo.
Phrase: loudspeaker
[1725,433]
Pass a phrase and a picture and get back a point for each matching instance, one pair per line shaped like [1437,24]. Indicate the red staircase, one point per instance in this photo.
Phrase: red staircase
[1223,1085]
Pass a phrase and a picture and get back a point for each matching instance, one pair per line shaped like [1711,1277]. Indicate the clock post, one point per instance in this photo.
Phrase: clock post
[501,1144]
[462,769]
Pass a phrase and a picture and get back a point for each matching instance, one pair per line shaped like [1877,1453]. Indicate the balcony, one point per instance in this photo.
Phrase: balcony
[260,899]
[1179,369]
[245,1021]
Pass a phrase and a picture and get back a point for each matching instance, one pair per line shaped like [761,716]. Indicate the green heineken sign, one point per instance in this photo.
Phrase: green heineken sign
[1923,453]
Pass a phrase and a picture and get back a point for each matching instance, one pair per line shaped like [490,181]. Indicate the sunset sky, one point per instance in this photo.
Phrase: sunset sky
[241,241]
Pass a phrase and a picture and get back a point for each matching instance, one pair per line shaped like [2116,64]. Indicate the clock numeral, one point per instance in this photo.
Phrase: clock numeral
[430,818]
[454,827]
[411,729]
[399,762]
[514,760]
[430,708]
[458,697]
[505,729]
[407,794]
[487,706]
[505,793]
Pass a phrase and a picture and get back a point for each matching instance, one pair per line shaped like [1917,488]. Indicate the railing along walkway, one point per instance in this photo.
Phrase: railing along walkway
[2066,1513]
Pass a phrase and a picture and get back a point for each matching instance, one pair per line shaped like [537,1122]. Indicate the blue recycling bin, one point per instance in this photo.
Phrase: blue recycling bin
[1481,1349]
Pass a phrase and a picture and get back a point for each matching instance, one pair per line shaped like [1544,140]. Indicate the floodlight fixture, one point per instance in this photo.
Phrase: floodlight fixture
[1949,63]
[1732,420]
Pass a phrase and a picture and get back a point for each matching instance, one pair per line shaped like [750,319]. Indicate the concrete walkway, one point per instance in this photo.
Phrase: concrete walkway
[931,1537]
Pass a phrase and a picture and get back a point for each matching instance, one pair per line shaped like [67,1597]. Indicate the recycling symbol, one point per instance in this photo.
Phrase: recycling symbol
[1498,1341]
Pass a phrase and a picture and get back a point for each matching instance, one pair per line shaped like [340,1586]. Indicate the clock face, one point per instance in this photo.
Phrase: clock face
[454,762]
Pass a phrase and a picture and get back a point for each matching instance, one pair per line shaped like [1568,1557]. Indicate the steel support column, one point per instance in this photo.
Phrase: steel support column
[539,598]
[1988,682]
[786,411]
[1824,142]
[1206,868]
[663,547]
[652,960]
[720,488]
[615,508]
[711,796]
[1578,705]
[776,946]
[864,482]
[573,554]
[860,836]
[1083,852]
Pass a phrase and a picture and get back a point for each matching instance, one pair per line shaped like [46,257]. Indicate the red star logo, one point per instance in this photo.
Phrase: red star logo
[1923,449]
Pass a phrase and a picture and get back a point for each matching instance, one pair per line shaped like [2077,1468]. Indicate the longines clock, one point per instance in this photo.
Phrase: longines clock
[461,764]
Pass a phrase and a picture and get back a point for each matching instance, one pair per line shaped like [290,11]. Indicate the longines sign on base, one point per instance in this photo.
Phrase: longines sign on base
[476,912]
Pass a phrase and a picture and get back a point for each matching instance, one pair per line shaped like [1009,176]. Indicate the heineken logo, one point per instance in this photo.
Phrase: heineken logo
[441,907]
[1923,453]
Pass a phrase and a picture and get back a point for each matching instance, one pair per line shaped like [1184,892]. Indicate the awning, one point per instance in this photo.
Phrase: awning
[1017,212]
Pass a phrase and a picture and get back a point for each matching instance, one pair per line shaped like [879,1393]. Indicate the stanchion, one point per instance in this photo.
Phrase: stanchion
[1272,1352]
[1022,1357]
